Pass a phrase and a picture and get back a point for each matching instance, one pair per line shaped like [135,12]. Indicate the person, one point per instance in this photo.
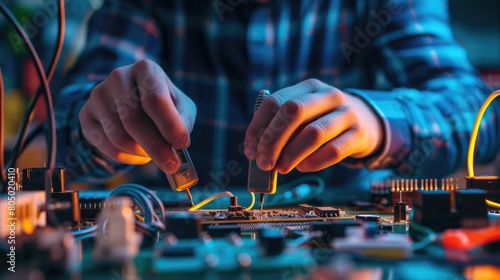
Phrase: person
[361,90]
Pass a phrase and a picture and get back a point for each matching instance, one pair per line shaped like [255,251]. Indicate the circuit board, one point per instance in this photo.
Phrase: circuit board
[274,218]
[307,241]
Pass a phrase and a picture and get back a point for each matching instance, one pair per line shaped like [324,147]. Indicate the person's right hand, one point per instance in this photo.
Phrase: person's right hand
[138,114]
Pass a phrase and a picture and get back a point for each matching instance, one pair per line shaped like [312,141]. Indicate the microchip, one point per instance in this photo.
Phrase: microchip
[327,211]
[306,208]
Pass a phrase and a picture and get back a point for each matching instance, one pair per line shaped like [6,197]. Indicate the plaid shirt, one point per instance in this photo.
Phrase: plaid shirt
[399,56]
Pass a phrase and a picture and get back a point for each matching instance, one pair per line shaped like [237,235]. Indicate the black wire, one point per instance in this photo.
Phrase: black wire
[32,135]
[20,142]
[51,135]
[61,29]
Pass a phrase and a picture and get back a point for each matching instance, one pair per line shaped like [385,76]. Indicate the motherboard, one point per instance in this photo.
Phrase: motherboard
[439,228]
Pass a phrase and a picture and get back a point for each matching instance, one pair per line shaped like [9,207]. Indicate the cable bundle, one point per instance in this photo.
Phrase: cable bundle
[146,202]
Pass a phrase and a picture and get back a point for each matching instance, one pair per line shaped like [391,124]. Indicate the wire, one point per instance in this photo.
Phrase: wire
[210,199]
[138,194]
[51,135]
[492,204]
[475,130]
[252,203]
[31,136]
[85,231]
[144,199]
[61,30]
[473,140]
[2,131]
[43,78]
[218,195]
[29,114]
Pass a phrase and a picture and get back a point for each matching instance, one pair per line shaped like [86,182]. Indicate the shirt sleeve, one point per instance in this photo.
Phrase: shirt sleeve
[429,114]
[119,33]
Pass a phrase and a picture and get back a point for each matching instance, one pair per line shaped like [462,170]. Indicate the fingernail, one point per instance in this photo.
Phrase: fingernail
[170,166]
[281,169]
[264,163]
[181,142]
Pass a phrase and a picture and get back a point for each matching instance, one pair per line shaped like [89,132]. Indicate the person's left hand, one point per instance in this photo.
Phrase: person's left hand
[311,126]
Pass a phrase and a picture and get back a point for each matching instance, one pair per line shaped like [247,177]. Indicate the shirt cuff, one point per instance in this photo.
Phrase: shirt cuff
[397,141]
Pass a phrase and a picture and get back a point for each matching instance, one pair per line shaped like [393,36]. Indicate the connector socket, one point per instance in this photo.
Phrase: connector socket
[491,184]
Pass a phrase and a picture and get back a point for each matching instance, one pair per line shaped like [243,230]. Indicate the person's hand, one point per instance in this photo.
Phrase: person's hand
[311,126]
[138,114]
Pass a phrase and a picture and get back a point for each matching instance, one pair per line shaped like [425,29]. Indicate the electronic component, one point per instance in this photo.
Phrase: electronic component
[183,225]
[116,241]
[441,210]
[388,192]
[470,204]
[306,208]
[252,221]
[490,184]
[186,176]
[399,212]
[218,231]
[90,208]
[327,212]
[22,215]
[432,209]
[91,204]
[386,246]
[34,179]
[368,218]
[233,205]
[271,241]
[332,230]
[69,214]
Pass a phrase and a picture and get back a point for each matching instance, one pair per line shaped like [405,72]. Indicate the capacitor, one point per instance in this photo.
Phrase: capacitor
[233,201]
[399,212]
[368,218]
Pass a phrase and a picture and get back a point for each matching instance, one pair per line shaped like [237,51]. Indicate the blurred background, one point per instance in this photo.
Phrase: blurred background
[475,23]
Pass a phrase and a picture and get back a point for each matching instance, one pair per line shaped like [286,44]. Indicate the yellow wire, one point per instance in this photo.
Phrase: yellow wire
[251,203]
[215,196]
[473,139]
[492,204]
[475,130]
[210,199]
